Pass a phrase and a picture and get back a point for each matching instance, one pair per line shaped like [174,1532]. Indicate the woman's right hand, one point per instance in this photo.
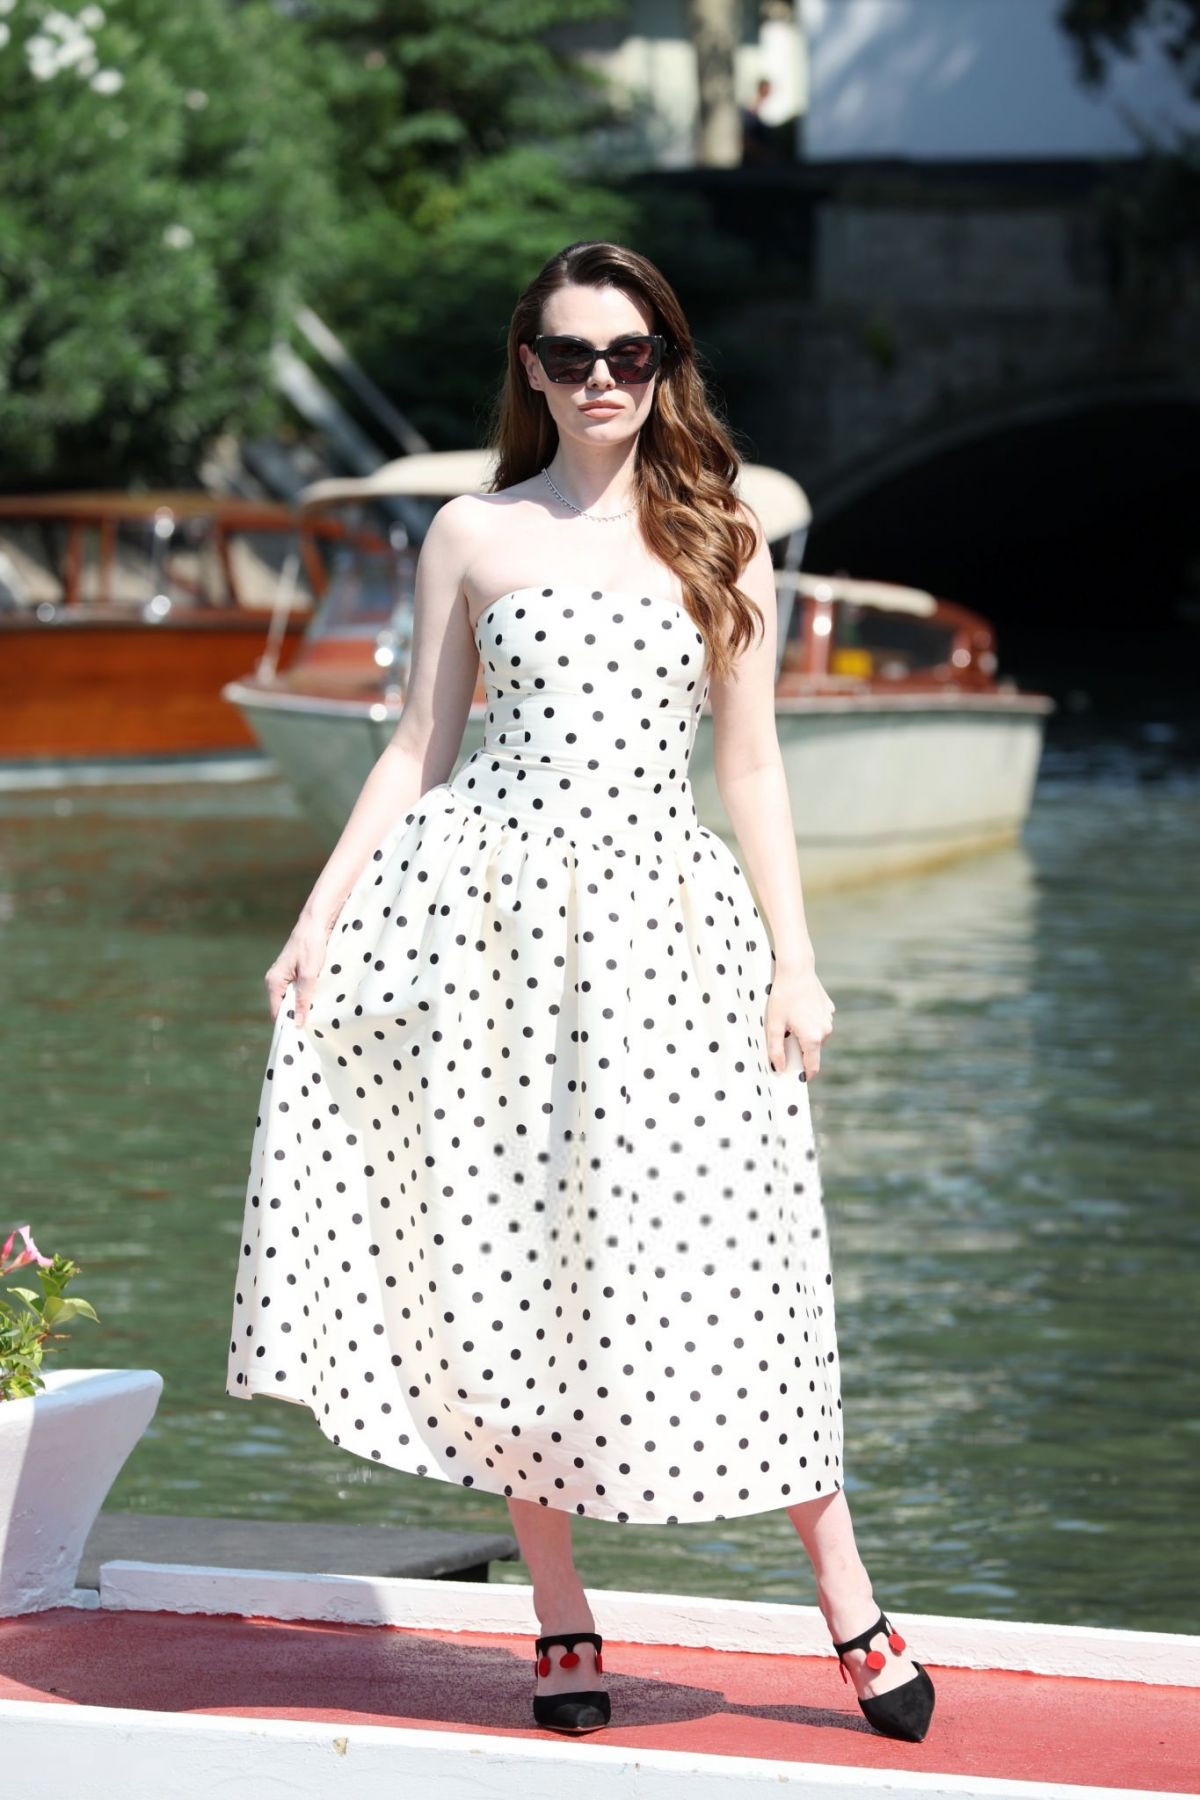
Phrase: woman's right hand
[301,961]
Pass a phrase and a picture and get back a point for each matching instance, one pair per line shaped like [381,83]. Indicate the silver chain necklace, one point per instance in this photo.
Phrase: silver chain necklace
[600,518]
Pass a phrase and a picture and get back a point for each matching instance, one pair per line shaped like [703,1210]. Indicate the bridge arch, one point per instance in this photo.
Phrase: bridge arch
[1072,507]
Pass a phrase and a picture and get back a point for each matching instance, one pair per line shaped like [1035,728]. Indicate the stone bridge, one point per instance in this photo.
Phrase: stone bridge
[987,376]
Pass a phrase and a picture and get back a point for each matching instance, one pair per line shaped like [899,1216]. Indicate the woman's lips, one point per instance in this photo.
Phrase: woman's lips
[600,407]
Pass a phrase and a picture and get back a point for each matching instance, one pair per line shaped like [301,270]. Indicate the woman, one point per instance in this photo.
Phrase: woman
[534,1203]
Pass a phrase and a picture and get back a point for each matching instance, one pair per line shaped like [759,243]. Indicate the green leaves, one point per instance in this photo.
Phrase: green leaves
[27,1329]
[462,167]
[58,1312]
[33,1301]
[403,166]
[152,235]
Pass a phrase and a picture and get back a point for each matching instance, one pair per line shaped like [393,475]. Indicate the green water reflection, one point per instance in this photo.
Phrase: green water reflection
[1008,1134]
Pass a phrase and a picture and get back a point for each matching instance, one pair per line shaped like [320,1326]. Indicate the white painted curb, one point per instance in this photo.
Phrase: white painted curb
[762,1627]
[118,1754]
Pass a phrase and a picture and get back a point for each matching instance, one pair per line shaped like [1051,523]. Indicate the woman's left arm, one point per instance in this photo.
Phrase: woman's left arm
[750,777]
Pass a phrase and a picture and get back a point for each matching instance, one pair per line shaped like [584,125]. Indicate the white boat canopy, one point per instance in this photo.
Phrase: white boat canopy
[427,474]
[888,595]
[780,502]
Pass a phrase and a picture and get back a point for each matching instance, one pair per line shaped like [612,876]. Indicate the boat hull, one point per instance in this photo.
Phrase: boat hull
[80,689]
[886,787]
[879,785]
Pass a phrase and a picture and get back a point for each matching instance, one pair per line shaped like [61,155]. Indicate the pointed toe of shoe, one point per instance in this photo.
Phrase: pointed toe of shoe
[905,1711]
[572,1713]
[588,1718]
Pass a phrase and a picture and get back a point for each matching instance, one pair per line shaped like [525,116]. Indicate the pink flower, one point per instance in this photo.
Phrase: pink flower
[30,1254]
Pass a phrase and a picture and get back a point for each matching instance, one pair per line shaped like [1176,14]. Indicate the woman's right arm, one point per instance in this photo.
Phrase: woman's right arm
[422,751]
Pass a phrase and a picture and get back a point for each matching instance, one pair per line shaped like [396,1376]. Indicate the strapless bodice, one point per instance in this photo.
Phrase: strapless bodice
[593,700]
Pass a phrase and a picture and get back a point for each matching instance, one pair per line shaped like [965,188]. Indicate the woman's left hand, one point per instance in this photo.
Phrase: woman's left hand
[798,1004]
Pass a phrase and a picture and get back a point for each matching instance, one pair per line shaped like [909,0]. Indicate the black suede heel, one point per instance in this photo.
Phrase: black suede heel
[574,1712]
[904,1711]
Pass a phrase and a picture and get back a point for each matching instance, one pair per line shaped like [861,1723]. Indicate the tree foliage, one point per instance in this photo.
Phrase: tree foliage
[164,195]
[1102,29]
[1152,212]
[174,178]
[461,167]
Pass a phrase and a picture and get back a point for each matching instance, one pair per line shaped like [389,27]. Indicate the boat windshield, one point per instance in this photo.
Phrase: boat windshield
[371,572]
[847,642]
[885,645]
[152,564]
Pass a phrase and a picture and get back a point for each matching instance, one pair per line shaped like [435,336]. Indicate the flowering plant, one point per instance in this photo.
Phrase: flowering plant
[28,1319]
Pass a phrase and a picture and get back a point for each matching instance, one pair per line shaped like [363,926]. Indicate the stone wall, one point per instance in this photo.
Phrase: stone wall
[917,312]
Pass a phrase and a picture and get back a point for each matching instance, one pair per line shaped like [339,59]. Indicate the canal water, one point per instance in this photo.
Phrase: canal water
[1008,1128]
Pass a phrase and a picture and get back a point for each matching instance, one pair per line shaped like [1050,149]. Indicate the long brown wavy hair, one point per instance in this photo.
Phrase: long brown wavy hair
[686,462]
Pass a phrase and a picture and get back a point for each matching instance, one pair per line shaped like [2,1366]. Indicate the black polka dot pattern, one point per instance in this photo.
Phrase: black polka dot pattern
[528,1208]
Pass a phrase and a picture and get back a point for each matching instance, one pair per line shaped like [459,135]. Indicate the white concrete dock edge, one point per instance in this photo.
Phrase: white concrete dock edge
[117,1754]
[767,1627]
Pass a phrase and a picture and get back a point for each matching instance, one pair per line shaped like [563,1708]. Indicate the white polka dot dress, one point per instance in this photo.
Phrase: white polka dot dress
[528,1208]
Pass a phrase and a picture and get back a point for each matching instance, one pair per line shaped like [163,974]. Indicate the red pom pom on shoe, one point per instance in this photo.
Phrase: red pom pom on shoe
[875,1659]
[544,1665]
[896,1642]
[569,1659]
[599,1662]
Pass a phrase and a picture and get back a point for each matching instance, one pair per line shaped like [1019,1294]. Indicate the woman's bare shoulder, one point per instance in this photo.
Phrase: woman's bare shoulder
[461,519]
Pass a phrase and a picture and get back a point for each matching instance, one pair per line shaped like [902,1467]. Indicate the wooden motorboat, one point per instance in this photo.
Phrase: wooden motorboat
[187,1680]
[122,616]
[902,743]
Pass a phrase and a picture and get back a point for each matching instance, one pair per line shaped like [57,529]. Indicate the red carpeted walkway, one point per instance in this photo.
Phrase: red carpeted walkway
[723,1703]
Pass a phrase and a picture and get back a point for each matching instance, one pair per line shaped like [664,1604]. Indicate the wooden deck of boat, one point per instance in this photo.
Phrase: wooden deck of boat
[990,1723]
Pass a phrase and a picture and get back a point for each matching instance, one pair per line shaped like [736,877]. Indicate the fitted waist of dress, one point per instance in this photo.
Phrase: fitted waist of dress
[592,767]
[558,792]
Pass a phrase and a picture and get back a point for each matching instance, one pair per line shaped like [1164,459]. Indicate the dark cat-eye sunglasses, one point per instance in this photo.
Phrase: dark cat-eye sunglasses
[629,360]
